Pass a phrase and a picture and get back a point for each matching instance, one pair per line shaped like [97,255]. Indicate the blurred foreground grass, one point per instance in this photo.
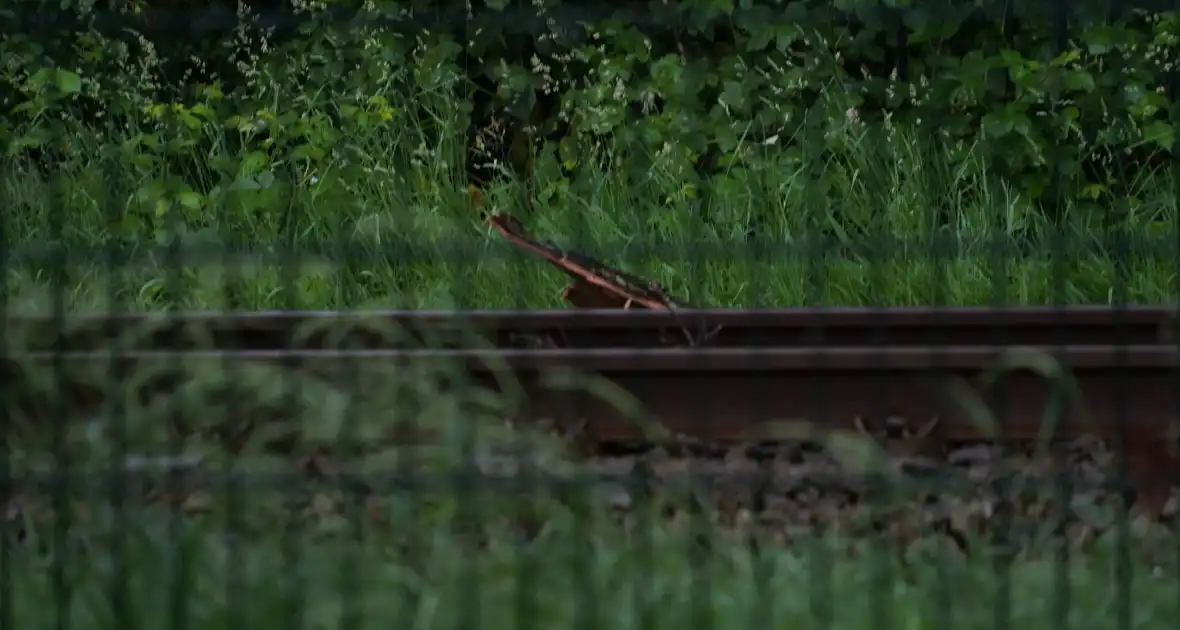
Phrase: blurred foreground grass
[232,547]
[148,570]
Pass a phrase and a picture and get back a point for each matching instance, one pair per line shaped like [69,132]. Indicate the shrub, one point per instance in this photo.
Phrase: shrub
[316,122]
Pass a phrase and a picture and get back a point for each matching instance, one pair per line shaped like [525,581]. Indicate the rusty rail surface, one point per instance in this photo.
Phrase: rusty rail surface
[722,394]
[892,374]
[618,328]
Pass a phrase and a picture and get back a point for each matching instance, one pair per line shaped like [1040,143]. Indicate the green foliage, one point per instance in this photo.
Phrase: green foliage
[718,111]
[203,492]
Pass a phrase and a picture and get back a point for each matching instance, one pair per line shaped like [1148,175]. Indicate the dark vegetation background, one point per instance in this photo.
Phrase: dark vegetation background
[1070,104]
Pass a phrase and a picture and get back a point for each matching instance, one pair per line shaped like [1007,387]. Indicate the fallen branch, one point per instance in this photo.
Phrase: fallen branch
[595,284]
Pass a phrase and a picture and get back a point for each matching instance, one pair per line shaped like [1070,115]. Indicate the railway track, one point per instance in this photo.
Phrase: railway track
[633,366]
[839,367]
[617,328]
[723,394]
[721,376]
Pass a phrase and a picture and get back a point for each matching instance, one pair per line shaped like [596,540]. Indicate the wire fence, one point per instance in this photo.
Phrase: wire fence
[147,484]
[259,389]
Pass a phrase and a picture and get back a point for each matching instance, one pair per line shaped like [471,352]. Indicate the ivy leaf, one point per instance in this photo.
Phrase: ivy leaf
[68,82]
[996,126]
[1079,81]
[1161,133]
[190,200]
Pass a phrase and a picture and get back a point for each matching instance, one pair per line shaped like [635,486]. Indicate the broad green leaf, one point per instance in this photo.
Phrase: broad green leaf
[996,126]
[190,200]
[1079,81]
[1161,133]
[67,82]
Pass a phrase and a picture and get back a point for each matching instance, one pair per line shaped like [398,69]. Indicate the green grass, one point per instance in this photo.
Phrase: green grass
[384,222]
[277,544]
[573,576]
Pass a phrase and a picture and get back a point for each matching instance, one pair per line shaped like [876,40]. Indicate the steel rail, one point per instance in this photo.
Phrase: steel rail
[614,328]
[907,377]
[724,394]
